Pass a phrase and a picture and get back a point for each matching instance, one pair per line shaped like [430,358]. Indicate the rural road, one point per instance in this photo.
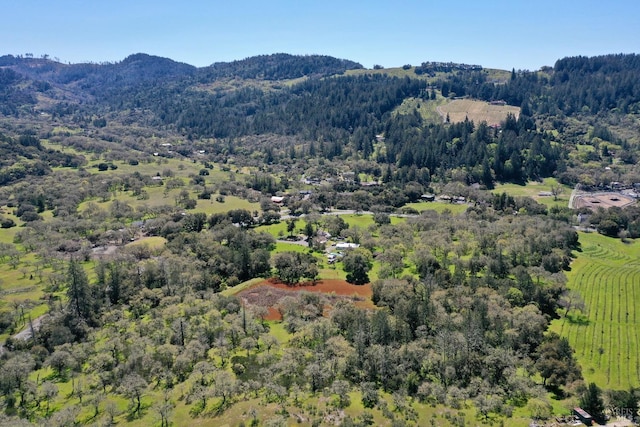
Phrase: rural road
[574,193]
[442,115]
[25,334]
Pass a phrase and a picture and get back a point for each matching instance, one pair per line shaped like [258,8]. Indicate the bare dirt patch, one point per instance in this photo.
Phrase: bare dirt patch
[603,200]
[269,293]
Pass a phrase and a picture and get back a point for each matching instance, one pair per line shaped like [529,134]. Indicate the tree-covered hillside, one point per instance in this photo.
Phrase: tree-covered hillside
[279,66]
[341,116]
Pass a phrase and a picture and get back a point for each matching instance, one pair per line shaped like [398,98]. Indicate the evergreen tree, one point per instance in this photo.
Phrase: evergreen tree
[78,291]
[487,177]
[591,401]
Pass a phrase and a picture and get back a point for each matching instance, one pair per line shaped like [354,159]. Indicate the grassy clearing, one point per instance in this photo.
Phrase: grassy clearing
[312,408]
[159,166]
[290,247]
[276,328]
[151,242]
[22,292]
[477,111]
[8,234]
[361,221]
[180,168]
[606,335]
[332,271]
[534,188]
[428,110]
[440,207]
[278,230]
[158,196]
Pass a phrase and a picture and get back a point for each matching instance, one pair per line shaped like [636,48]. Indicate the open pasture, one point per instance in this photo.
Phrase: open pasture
[605,335]
[476,111]
[539,191]
[440,207]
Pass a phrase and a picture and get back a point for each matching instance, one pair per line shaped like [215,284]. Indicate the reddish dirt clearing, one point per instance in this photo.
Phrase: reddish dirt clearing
[269,293]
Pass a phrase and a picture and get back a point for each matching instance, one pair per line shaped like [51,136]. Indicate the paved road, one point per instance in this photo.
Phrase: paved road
[285,216]
[25,334]
[294,242]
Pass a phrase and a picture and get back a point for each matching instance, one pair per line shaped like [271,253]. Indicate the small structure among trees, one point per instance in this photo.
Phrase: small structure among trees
[583,416]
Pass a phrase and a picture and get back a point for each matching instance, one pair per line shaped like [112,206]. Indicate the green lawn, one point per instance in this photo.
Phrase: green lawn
[356,220]
[279,230]
[290,247]
[606,336]
[534,188]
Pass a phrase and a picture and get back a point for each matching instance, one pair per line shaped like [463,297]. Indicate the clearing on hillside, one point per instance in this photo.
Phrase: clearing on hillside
[476,111]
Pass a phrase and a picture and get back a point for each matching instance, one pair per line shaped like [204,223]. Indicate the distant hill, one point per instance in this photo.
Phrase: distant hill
[140,68]
[280,66]
[137,67]
[336,108]
[85,81]
[573,85]
[13,93]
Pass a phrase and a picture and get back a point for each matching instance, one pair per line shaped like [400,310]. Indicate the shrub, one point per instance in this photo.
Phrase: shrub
[7,223]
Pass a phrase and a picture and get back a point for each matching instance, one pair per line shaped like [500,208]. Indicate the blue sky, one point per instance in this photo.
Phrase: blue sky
[520,34]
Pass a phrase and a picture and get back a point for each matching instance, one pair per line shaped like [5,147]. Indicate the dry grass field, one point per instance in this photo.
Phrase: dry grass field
[477,111]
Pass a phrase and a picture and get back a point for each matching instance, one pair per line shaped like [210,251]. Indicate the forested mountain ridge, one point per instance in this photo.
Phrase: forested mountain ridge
[342,115]
[141,68]
[598,83]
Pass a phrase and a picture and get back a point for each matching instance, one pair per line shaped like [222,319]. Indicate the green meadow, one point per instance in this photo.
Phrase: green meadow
[440,207]
[534,188]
